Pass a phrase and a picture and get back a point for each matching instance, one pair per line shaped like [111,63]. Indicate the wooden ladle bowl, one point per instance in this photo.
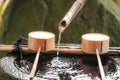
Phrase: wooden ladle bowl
[43,39]
[93,41]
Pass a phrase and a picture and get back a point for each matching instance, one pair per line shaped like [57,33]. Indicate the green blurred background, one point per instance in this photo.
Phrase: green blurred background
[24,16]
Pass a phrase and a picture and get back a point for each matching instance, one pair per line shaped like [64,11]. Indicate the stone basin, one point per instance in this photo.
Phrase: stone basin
[62,67]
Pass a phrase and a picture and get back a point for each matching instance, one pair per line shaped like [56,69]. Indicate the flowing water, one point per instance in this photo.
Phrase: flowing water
[58,45]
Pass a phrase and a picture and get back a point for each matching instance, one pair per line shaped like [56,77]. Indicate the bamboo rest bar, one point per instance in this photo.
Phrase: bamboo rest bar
[63,49]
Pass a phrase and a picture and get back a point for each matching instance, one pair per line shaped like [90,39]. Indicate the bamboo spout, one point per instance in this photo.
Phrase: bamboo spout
[117,2]
[76,7]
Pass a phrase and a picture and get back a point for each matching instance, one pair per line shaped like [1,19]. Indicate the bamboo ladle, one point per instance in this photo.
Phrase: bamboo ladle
[96,43]
[37,41]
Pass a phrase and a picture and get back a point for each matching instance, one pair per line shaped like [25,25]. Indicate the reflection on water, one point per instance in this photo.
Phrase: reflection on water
[64,67]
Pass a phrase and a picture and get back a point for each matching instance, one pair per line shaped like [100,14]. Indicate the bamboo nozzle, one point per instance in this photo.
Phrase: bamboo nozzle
[76,7]
[62,26]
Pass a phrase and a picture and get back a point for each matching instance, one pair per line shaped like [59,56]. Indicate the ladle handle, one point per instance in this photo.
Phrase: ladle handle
[35,64]
[76,7]
[100,65]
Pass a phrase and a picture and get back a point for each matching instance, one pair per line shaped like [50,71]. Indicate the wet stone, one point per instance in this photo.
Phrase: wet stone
[64,67]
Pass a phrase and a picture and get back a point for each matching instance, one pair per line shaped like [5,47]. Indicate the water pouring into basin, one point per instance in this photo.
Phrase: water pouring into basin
[76,7]
[71,14]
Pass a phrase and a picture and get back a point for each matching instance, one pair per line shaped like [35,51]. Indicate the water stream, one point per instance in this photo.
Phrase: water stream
[58,45]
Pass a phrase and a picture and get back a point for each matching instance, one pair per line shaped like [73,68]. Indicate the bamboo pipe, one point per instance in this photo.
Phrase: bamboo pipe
[76,7]
[117,2]
[1,2]
[63,49]
[11,48]
[3,5]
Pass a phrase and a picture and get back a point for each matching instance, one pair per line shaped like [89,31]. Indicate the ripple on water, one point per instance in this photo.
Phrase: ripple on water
[64,67]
